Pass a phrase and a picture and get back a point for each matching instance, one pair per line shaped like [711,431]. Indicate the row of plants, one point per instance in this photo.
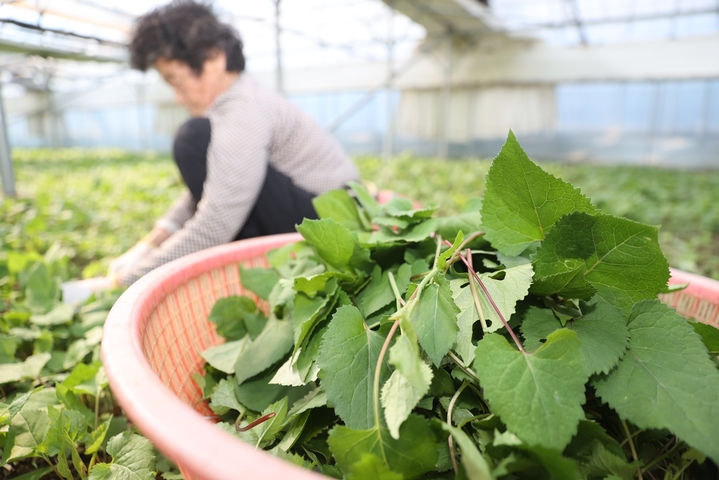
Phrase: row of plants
[58,418]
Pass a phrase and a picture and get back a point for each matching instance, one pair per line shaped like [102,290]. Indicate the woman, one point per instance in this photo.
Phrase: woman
[251,160]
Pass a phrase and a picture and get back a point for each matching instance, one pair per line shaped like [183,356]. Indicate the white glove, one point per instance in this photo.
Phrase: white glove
[129,258]
[81,290]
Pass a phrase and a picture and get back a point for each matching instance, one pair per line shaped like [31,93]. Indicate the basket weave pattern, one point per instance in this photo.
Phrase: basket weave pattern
[155,334]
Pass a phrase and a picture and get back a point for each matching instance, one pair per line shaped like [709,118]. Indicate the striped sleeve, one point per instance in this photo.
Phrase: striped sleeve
[236,168]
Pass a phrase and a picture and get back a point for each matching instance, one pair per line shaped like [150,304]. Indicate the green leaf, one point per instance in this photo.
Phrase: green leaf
[506,291]
[602,331]
[30,368]
[378,293]
[414,233]
[347,360]
[447,254]
[268,348]
[224,356]
[414,454]
[35,474]
[589,432]
[315,284]
[230,314]
[474,463]
[224,398]
[618,257]
[366,199]
[261,281]
[133,458]
[315,398]
[340,207]
[97,437]
[42,289]
[538,396]
[407,384]
[268,430]
[308,312]
[370,466]
[27,430]
[8,413]
[66,428]
[558,466]
[62,313]
[522,202]
[335,244]
[537,324]
[435,320]
[709,334]
[602,462]
[666,379]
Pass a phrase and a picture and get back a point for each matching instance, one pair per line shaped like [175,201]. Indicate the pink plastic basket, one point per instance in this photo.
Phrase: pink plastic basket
[155,333]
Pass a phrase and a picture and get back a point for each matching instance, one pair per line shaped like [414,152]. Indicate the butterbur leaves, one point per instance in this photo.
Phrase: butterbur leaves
[666,379]
[618,258]
[538,396]
[522,202]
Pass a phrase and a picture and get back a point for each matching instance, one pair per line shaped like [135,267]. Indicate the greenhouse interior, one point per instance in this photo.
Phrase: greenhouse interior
[359,239]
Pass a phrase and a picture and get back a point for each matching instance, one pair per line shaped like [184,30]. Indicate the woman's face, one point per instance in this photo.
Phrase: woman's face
[195,92]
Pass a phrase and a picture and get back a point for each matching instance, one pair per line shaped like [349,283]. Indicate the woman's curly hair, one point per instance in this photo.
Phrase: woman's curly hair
[186,31]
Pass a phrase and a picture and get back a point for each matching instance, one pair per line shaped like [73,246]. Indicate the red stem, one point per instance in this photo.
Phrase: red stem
[255,423]
[494,305]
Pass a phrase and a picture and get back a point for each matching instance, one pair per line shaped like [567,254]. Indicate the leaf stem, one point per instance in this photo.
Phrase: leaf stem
[494,305]
[475,294]
[438,251]
[395,290]
[255,423]
[450,441]
[631,446]
[462,366]
[378,371]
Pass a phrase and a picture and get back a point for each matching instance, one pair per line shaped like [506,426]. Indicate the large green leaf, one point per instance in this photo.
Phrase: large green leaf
[235,316]
[347,360]
[308,312]
[602,331]
[618,257]
[413,454]
[224,356]
[666,379]
[539,396]
[259,280]
[435,320]
[133,458]
[522,202]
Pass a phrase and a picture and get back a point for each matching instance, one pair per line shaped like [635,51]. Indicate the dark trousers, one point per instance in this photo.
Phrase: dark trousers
[280,205]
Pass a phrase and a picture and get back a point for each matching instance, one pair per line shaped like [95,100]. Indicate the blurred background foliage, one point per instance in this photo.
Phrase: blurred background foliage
[98,202]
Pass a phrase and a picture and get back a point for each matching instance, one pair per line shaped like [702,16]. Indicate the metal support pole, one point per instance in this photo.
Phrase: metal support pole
[8,177]
[279,80]
[388,144]
[446,98]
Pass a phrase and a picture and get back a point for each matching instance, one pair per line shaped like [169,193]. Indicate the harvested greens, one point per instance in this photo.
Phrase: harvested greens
[522,338]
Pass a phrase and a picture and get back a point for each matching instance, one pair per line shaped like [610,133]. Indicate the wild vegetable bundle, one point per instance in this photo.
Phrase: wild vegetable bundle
[522,338]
